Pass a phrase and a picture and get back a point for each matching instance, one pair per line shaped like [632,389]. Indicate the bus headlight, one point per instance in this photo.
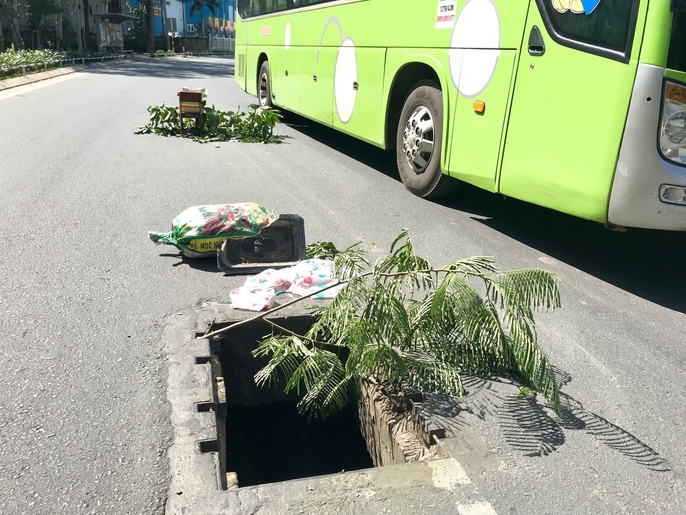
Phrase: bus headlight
[673,131]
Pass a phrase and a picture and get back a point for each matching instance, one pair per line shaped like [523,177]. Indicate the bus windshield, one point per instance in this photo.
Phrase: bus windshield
[676,59]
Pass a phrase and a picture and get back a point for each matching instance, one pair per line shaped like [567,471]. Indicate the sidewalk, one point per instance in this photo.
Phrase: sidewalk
[57,72]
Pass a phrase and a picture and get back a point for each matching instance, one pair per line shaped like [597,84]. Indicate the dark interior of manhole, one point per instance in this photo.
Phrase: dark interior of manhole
[274,442]
[266,440]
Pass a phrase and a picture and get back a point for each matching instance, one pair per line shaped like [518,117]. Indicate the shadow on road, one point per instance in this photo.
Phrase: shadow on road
[369,155]
[642,262]
[168,67]
[205,264]
[530,427]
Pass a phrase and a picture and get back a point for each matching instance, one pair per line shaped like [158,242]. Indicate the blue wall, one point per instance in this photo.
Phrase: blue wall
[226,11]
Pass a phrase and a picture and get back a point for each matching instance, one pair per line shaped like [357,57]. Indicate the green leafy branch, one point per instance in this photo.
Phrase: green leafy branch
[405,322]
[254,126]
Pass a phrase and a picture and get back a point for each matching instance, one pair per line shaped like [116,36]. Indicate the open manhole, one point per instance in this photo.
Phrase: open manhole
[261,438]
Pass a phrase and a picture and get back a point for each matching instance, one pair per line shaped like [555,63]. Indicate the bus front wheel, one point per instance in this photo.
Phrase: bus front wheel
[418,142]
[264,88]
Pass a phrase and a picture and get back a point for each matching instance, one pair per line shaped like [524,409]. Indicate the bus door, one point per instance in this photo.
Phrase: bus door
[572,91]
[482,55]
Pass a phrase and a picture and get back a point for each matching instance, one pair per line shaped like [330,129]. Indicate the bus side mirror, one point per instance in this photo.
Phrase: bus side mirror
[677,6]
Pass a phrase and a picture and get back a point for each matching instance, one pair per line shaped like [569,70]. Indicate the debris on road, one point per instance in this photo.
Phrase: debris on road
[199,231]
[304,279]
[206,124]
[280,245]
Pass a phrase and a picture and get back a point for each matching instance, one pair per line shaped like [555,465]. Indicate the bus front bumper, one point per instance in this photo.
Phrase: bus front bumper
[641,171]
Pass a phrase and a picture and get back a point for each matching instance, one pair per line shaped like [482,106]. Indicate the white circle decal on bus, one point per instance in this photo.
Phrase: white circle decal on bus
[345,78]
[287,37]
[474,47]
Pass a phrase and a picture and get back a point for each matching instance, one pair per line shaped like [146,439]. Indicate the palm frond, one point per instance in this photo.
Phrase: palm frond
[411,269]
[383,361]
[350,262]
[533,288]
[473,266]
[534,367]
[283,362]
[405,322]
[386,318]
[430,374]
[325,383]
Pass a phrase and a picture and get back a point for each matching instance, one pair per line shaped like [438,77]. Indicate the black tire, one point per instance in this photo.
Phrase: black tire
[420,127]
[264,86]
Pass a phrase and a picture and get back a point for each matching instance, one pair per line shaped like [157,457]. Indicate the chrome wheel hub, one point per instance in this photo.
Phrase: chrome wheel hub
[418,139]
[264,81]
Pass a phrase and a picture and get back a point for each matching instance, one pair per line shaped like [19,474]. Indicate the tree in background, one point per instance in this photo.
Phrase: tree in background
[2,39]
[140,29]
[39,9]
[150,15]
[199,6]
[14,23]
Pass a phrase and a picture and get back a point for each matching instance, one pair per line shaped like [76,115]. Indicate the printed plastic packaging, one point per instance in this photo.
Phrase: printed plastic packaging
[199,231]
[307,277]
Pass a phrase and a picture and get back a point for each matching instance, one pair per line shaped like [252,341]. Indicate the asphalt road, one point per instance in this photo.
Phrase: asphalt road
[84,421]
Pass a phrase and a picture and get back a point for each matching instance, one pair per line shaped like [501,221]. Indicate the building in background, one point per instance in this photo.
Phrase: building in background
[175,16]
[76,25]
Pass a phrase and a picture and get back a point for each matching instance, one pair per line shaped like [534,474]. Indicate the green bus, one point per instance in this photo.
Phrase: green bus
[574,105]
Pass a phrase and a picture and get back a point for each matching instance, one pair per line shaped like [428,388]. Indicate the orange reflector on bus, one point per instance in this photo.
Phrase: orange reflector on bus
[479,106]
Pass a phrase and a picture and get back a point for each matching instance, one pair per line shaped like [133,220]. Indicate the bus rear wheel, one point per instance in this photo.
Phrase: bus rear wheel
[264,88]
[419,140]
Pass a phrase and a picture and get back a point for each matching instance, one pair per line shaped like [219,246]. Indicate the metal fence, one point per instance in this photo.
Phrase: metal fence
[59,63]
[222,44]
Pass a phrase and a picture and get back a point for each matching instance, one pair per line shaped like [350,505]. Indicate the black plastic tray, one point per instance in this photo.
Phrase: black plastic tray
[278,245]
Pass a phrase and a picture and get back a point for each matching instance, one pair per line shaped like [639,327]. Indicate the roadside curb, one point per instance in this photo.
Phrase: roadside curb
[36,77]
[32,78]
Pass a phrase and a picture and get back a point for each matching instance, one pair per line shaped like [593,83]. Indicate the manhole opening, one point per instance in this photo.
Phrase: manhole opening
[273,442]
[261,438]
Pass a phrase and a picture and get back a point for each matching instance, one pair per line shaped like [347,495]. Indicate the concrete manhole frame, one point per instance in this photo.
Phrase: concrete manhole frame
[195,467]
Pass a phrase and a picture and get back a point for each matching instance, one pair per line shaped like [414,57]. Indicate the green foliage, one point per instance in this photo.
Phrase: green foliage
[255,126]
[140,29]
[164,53]
[406,322]
[39,9]
[164,120]
[199,6]
[12,58]
[321,250]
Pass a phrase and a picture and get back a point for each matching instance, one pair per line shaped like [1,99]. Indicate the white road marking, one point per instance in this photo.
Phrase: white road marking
[448,474]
